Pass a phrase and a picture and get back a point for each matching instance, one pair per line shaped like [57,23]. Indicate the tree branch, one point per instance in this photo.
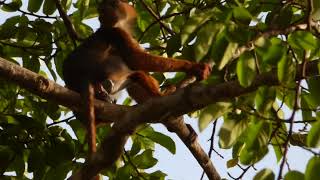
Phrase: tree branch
[67,22]
[272,32]
[126,119]
[155,16]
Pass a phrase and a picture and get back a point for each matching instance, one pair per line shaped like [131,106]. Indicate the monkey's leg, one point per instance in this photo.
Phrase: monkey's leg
[143,87]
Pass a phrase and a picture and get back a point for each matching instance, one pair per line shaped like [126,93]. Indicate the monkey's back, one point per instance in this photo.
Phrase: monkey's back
[94,61]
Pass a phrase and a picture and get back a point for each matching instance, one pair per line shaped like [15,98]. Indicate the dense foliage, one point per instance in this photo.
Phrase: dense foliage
[242,39]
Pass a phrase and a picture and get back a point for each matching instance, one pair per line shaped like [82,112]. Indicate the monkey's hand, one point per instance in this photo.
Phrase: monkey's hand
[102,94]
[201,71]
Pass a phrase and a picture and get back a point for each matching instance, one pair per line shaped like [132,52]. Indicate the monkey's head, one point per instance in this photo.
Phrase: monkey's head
[116,13]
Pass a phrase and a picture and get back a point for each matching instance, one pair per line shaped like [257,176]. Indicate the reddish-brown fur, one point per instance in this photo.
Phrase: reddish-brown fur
[113,54]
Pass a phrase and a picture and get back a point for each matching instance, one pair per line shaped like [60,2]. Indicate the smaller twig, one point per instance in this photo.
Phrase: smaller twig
[67,22]
[273,32]
[133,165]
[212,141]
[154,15]
[211,149]
[291,119]
[310,150]
[159,20]
[62,121]
[244,170]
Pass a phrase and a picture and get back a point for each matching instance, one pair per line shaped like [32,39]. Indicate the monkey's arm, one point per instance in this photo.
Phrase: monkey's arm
[139,59]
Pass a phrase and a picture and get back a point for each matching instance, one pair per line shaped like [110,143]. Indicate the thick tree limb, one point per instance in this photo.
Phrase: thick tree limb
[126,119]
[189,138]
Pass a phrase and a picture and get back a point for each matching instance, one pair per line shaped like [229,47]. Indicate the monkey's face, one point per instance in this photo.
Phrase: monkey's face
[114,13]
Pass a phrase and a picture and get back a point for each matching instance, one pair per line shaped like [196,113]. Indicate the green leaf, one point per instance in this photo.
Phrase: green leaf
[232,162]
[159,138]
[34,5]
[204,39]
[52,109]
[36,159]
[312,171]
[235,33]
[31,63]
[265,97]
[83,29]
[151,36]
[173,45]
[58,172]
[280,17]
[231,130]
[60,150]
[294,175]
[14,5]
[254,131]
[144,18]
[314,89]
[18,165]
[217,49]
[124,172]
[298,139]
[302,40]
[6,156]
[8,29]
[158,175]
[242,14]
[271,51]
[145,142]
[30,123]
[264,174]
[145,160]
[84,6]
[305,108]
[256,140]
[136,147]
[316,10]
[49,7]
[66,4]
[163,140]
[277,140]
[286,70]
[193,23]
[228,54]
[212,112]
[78,129]
[313,139]
[246,69]
[23,29]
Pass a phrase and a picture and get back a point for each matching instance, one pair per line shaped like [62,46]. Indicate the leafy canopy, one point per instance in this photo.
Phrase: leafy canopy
[242,39]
